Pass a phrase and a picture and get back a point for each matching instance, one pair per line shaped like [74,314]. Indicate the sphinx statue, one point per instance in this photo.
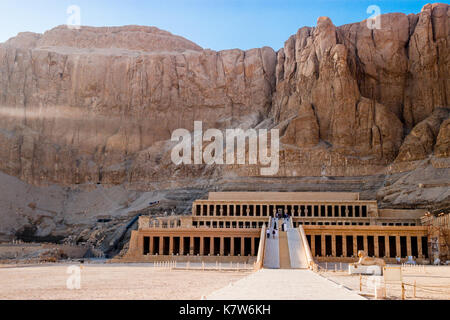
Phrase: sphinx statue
[364,260]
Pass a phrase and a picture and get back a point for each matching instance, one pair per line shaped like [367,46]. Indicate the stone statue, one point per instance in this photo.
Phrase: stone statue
[364,260]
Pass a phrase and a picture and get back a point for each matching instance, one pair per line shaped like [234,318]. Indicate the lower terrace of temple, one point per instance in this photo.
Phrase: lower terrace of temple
[228,226]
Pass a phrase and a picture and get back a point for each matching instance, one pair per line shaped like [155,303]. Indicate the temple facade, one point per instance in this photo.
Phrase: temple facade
[231,226]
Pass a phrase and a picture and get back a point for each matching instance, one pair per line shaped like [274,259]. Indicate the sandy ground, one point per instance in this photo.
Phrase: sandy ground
[111,281]
[142,281]
[432,282]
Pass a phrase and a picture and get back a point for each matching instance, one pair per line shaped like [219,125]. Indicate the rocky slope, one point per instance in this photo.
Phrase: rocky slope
[86,117]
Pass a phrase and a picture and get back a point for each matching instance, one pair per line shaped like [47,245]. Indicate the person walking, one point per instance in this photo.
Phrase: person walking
[268,233]
[274,232]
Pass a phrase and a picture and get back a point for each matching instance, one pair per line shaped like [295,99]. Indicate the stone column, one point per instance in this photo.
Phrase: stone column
[181,245]
[333,245]
[376,240]
[344,244]
[419,247]
[323,245]
[366,242]
[191,246]
[387,247]
[201,209]
[397,246]
[232,246]
[242,246]
[222,246]
[208,209]
[355,246]
[253,247]
[171,245]
[202,246]
[151,246]
[161,245]
[211,246]
[408,246]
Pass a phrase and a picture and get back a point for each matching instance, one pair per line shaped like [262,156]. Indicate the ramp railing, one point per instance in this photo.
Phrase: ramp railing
[261,248]
[309,257]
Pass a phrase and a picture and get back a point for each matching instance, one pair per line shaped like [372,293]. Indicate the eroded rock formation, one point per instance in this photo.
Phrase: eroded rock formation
[88,103]
[83,109]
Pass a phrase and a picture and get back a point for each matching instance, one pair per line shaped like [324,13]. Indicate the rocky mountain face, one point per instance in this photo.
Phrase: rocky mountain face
[89,109]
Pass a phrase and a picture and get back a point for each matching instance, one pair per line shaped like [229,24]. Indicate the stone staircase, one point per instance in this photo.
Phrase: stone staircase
[272,251]
[286,251]
[285,260]
[296,250]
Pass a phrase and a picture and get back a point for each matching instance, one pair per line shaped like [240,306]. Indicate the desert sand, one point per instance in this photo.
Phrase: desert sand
[432,282]
[111,281]
[101,281]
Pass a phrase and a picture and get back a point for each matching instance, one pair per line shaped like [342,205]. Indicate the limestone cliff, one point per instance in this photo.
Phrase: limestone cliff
[76,105]
[361,109]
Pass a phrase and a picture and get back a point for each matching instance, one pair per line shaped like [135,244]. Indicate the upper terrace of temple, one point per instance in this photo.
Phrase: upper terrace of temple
[283,196]
[252,209]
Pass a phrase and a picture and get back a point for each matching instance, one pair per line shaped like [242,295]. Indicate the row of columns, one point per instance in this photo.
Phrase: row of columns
[164,223]
[254,241]
[331,223]
[264,210]
[229,224]
[365,248]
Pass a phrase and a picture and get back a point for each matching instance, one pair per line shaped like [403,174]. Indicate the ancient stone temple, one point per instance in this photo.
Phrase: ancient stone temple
[232,227]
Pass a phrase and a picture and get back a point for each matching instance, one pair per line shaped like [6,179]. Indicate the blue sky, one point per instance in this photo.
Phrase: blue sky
[215,24]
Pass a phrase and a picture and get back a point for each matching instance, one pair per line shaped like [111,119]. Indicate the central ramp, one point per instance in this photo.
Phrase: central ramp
[285,260]
[272,284]
[289,249]
[297,250]
[272,253]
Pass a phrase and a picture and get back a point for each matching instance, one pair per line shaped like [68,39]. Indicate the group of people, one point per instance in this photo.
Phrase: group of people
[275,223]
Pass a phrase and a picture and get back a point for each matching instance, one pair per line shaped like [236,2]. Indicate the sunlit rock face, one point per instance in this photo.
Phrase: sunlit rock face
[367,87]
[96,104]
[91,108]
[78,105]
